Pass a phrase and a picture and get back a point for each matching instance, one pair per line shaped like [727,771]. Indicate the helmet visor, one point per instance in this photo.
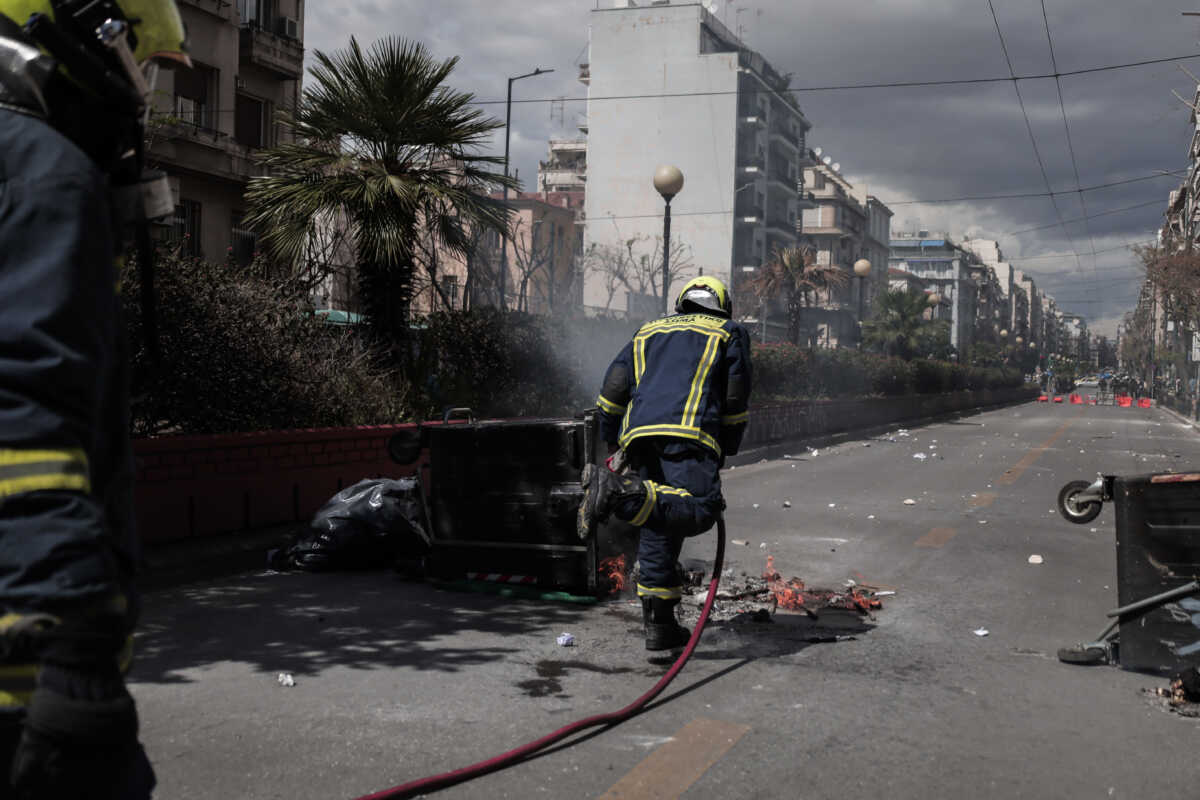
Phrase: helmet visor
[704,298]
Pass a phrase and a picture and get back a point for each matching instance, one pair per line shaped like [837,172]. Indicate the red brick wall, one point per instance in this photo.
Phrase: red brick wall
[197,485]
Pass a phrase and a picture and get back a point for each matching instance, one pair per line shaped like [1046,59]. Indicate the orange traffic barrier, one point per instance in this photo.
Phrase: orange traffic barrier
[1043,399]
[1144,402]
[1124,401]
[1058,399]
[1076,400]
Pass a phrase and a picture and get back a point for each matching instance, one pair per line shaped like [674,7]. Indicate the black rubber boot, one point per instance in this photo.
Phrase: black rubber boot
[603,491]
[663,631]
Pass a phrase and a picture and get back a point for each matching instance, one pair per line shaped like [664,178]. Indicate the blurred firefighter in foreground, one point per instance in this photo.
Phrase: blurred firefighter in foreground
[75,81]
[675,400]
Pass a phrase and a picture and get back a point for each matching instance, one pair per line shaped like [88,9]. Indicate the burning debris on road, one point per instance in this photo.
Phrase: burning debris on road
[758,597]
[1182,694]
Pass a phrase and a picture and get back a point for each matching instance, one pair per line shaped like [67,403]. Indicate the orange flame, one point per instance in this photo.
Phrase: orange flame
[615,570]
[788,594]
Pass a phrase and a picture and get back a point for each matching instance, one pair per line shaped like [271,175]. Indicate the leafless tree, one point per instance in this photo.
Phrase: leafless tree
[636,266]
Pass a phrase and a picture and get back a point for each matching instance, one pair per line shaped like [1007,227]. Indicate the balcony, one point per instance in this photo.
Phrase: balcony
[786,138]
[746,161]
[781,226]
[804,200]
[752,121]
[748,213]
[571,145]
[782,180]
[222,9]
[282,56]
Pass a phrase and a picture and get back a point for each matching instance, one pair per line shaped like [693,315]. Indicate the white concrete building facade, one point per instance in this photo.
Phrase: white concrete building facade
[669,84]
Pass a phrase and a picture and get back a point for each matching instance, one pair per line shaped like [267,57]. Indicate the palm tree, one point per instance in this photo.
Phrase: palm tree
[382,142]
[793,274]
[899,325]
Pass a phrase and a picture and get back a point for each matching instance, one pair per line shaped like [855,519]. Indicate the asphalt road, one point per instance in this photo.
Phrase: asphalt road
[394,680]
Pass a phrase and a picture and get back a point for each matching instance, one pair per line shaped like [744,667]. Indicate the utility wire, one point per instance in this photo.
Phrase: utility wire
[1029,127]
[1067,129]
[847,86]
[892,204]
[1155,202]
[1019,195]
[1067,255]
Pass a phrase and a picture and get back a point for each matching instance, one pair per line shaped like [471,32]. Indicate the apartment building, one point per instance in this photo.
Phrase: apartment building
[208,121]
[1033,317]
[543,260]
[989,252]
[668,83]
[843,227]
[945,265]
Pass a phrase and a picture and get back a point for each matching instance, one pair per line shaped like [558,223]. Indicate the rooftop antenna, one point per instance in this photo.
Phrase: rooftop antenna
[817,152]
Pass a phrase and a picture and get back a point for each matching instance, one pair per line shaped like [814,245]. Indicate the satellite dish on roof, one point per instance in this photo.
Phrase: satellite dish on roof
[711,7]
[817,152]
[836,167]
[827,160]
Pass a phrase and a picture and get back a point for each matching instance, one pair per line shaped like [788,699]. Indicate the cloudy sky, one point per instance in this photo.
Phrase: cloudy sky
[903,144]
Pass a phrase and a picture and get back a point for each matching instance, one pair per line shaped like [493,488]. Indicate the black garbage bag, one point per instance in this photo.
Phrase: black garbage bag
[372,523]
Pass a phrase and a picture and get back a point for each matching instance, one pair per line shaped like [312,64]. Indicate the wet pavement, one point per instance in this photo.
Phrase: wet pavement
[395,680]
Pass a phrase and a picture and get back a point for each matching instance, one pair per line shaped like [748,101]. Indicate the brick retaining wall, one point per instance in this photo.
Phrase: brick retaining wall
[198,485]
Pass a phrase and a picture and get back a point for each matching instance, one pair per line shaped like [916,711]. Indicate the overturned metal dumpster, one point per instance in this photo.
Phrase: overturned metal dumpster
[503,497]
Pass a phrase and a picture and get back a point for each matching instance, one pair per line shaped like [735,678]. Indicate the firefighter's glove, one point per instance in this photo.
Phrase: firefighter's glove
[80,739]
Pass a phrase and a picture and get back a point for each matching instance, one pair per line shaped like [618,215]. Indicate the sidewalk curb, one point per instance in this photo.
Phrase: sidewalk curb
[776,450]
[1193,424]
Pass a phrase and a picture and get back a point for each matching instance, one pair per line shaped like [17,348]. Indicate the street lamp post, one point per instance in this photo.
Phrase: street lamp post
[507,121]
[862,268]
[668,180]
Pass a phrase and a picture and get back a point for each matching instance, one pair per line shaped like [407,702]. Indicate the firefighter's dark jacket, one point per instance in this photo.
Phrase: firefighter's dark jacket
[66,529]
[685,376]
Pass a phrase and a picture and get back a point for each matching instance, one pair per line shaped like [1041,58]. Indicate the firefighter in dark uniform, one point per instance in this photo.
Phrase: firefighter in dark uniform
[675,400]
[75,78]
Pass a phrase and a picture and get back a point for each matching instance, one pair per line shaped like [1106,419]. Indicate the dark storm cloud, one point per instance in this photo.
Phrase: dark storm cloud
[901,144]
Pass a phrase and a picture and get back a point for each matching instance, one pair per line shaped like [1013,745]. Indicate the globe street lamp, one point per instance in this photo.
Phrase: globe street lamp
[862,268]
[507,120]
[668,180]
[933,299]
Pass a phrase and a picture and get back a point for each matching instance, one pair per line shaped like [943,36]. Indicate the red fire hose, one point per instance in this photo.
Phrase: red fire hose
[436,782]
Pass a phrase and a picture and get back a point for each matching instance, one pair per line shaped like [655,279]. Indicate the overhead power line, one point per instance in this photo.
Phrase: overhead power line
[1029,127]
[1067,129]
[850,86]
[1069,255]
[892,204]
[1155,202]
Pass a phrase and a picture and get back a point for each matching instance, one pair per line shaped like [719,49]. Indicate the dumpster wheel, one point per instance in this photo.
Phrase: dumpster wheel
[1080,514]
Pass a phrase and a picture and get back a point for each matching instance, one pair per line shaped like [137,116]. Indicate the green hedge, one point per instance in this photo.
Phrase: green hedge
[786,371]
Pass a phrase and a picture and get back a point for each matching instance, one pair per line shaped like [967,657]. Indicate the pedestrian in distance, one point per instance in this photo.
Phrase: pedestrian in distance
[675,400]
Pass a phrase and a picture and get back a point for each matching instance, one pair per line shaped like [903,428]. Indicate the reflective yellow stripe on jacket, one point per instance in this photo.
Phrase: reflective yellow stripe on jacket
[35,470]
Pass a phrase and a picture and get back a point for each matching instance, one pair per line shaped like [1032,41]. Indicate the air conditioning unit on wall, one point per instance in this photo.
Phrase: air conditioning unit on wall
[288,26]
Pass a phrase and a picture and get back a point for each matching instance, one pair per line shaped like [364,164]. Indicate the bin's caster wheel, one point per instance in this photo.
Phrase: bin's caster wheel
[1090,653]
[1079,513]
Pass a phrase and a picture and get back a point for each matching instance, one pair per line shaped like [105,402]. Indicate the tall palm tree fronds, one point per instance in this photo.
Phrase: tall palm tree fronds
[793,275]
[381,141]
[899,324]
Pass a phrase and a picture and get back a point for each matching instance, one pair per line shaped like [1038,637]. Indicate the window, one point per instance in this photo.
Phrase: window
[250,122]
[243,241]
[193,89]
[185,228]
[450,289]
[258,13]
